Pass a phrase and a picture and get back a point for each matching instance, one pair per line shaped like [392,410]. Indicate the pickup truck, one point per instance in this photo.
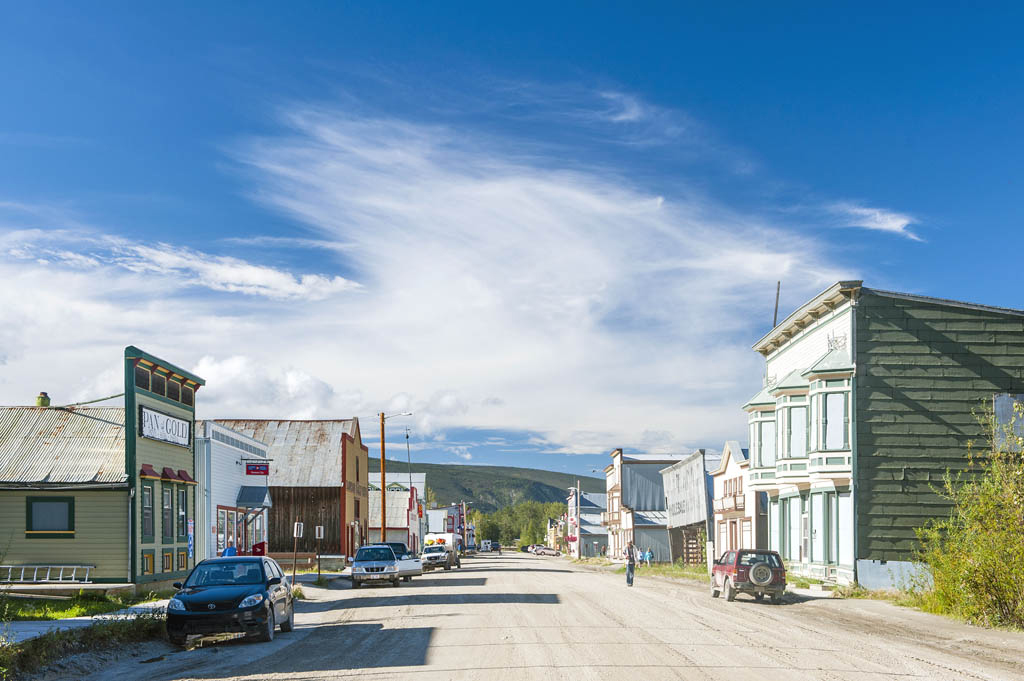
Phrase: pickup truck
[409,565]
[440,556]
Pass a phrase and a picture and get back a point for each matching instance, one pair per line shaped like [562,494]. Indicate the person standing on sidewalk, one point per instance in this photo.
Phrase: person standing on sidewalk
[630,563]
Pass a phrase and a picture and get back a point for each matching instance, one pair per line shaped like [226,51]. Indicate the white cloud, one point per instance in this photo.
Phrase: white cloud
[625,108]
[495,291]
[853,215]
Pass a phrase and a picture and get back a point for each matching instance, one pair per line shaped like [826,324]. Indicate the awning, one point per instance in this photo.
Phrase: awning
[185,477]
[253,496]
[148,473]
[169,475]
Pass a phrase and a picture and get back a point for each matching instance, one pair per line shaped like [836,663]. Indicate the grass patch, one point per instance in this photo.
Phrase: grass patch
[321,582]
[298,593]
[84,604]
[18,659]
[676,570]
[799,582]
[592,561]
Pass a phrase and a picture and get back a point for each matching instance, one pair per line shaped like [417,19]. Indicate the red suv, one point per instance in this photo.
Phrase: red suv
[751,571]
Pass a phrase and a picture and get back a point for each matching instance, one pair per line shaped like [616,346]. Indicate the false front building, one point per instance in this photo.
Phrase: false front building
[867,402]
[102,494]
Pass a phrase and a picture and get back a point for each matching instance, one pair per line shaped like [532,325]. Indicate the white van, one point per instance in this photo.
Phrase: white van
[485,545]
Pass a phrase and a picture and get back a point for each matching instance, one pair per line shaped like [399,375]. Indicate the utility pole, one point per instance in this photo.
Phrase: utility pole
[579,523]
[415,508]
[383,486]
[775,318]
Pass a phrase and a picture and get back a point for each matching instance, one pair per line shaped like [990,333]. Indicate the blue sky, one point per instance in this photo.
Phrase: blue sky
[548,231]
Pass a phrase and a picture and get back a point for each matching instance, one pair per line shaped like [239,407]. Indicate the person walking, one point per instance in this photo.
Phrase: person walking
[648,556]
[630,563]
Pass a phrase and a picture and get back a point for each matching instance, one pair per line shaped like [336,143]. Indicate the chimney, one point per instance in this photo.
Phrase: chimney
[43,400]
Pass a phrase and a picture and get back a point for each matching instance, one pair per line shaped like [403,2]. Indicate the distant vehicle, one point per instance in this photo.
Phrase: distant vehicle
[375,563]
[409,565]
[439,556]
[525,549]
[237,594]
[754,572]
[485,545]
[496,547]
[546,551]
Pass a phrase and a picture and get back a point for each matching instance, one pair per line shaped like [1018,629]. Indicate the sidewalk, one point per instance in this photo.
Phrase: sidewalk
[16,632]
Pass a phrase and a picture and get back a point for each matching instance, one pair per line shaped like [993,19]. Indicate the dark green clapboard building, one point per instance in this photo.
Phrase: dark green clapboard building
[867,400]
[102,494]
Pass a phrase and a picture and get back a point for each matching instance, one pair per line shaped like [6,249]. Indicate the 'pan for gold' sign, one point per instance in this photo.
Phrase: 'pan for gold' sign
[159,426]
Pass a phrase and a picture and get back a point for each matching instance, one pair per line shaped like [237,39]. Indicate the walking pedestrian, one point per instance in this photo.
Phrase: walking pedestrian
[648,556]
[630,563]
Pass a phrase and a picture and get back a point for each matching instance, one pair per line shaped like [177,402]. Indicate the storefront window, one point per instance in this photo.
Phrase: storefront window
[147,512]
[182,512]
[167,520]
[222,518]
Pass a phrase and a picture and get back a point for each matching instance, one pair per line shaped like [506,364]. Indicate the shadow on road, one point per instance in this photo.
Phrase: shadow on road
[444,599]
[425,582]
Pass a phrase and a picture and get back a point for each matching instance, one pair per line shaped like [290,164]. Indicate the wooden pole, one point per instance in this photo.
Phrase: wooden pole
[775,317]
[383,486]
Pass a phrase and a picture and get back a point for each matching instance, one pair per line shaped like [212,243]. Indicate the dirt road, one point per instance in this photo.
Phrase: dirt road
[524,617]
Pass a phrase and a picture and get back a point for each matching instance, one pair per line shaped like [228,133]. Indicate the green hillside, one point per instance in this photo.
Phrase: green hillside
[492,487]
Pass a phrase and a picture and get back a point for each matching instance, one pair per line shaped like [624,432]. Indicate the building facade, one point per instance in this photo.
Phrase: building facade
[741,513]
[234,496]
[635,496]
[405,516]
[590,536]
[687,487]
[109,491]
[318,476]
[866,403]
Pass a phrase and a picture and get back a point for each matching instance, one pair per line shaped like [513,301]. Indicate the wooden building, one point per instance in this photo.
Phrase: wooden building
[318,474]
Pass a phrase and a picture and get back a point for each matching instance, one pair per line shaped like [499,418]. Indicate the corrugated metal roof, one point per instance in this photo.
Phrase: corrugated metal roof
[304,453]
[655,518]
[66,445]
[398,509]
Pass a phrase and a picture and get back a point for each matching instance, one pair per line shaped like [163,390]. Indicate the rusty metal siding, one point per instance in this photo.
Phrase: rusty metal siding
[65,445]
[304,453]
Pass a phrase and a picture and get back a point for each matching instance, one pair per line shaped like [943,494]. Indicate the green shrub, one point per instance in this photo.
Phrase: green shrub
[974,556]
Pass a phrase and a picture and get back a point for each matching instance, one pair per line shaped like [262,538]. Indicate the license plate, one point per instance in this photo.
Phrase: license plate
[376,576]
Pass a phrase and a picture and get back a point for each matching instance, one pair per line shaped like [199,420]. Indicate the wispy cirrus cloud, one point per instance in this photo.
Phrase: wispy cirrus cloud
[879,219]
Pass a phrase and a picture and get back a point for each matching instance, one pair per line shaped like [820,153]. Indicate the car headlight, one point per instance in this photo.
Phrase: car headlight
[391,568]
[250,601]
[176,604]
[358,569]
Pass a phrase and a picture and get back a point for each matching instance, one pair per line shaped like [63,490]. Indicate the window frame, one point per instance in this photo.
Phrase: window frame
[823,420]
[147,538]
[167,560]
[789,430]
[49,534]
[148,560]
[181,512]
[166,509]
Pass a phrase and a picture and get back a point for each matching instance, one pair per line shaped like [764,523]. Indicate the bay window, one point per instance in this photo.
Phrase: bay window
[796,432]
[834,421]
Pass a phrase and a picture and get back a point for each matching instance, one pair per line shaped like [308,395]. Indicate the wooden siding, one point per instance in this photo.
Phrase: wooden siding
[921,369]
[101,533]
[306,504]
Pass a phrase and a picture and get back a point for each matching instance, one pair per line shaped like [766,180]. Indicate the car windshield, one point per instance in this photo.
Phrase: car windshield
[399,549]
[749,559]
[222,573]
[434,549]
[374,553]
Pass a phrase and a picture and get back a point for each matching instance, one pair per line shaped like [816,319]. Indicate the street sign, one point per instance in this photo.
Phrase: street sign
[297,531]
[319,531]
[257,469]
[191,538]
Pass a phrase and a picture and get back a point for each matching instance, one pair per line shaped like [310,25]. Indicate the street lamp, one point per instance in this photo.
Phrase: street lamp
[383,486]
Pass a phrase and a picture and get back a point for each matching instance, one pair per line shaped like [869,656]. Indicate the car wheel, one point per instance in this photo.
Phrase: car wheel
[714,589]
[177,640]
[268,631]
[289,623]
[730,590]
[395,582]
[447,567]
[406,579]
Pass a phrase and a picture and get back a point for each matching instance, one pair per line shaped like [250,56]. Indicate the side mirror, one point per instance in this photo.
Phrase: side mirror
[349,559]
[273,581]
[177,585]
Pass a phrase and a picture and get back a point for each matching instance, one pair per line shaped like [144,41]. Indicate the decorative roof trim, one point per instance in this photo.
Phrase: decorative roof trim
[824,302]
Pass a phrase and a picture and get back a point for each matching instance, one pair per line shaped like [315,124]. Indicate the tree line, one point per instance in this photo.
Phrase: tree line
[525,522]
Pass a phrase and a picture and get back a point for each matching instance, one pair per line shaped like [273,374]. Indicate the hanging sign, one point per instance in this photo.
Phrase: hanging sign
[257,469]
[159,426]
[319,531]
[191,537]
[297,531]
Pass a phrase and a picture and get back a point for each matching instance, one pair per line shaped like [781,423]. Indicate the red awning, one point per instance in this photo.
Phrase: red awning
[148,472]
[170,475]
[185,477]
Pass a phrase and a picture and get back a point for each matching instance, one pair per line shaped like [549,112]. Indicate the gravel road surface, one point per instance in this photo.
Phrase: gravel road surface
[517,616]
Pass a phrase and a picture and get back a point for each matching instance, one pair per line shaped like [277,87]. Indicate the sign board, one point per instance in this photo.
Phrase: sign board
[319,531]
[191,538]
[297,531]
[257,469]
[164,427]
[686,492]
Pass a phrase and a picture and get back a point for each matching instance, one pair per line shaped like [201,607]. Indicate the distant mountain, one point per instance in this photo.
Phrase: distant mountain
[492,487]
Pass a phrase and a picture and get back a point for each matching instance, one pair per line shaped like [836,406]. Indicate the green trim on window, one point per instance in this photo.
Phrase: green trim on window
[32,533]
[147,538]
[183,526]
[166,529]
[152,554]
[160,398]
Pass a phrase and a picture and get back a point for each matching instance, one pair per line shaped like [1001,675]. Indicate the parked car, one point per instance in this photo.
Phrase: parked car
[755,572]
[485,546]
[409,564]
[237,594]
[375,563]
[440,556]
[524,548]
[546,551]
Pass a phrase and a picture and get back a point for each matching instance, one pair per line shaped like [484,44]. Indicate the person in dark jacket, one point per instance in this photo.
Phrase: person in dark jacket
[630,563]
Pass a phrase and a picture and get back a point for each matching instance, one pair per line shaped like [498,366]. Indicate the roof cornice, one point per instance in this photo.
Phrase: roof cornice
[823,303]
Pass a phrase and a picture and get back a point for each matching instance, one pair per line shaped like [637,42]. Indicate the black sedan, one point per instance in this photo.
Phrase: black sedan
[236,594]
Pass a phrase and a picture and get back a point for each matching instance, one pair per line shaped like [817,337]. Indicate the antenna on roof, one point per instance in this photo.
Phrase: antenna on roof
[775,318]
